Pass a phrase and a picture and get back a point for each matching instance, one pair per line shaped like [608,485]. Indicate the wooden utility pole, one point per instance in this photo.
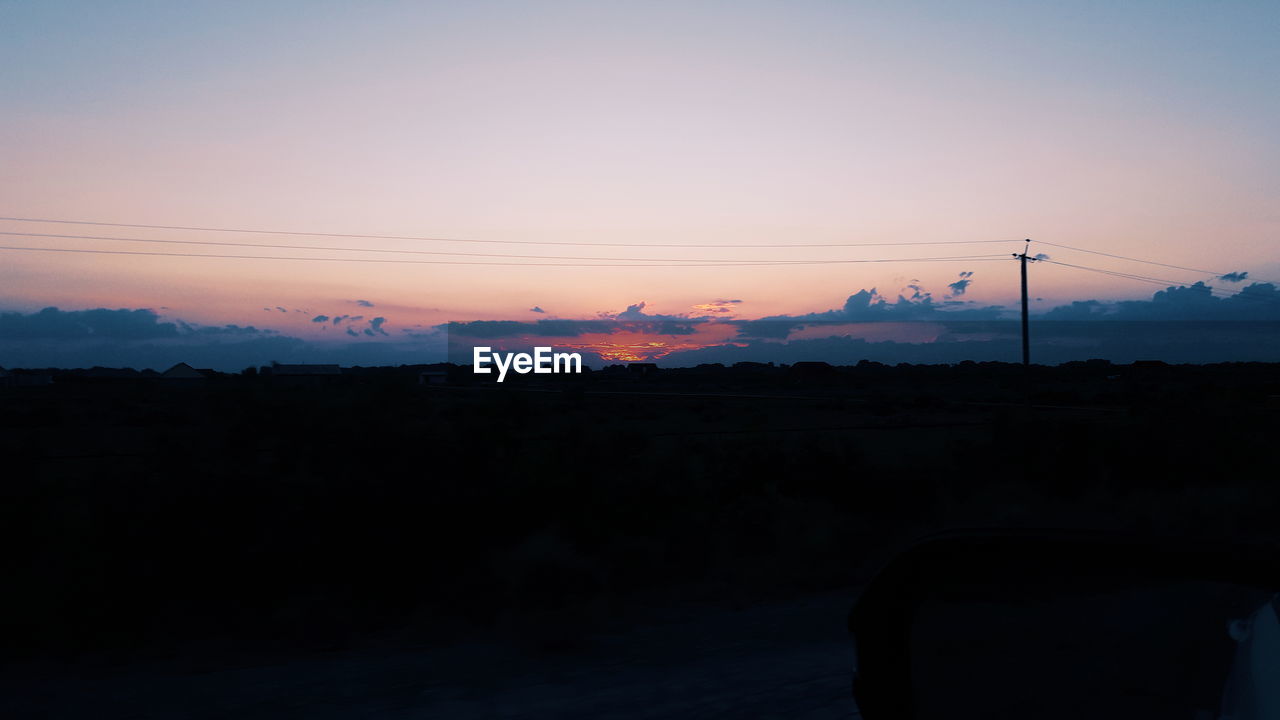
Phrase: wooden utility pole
[1026,336]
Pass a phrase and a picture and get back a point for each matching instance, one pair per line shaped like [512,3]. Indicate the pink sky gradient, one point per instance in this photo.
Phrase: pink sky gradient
[1146,131]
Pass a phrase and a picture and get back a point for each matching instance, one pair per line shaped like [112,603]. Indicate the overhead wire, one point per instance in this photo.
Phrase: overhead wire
[398,251]
[193,228]
[1217,275]
[958,258]
[555,260]
[1158,281]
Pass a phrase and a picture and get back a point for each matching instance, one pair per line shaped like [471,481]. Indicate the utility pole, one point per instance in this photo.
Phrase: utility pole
[1026,336]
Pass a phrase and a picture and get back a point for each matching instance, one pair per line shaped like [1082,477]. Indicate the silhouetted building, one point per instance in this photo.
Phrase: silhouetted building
[748,368]
[98,375]
[809,369]
[642,369]
[183,375]
[433,377]
[183,371]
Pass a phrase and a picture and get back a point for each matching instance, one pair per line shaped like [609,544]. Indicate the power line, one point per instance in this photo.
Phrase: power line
[499,242]
[1217,275]
[957,258]
[592,261]
[1133,259]
[1118,273]
[1159,281]
[403,252]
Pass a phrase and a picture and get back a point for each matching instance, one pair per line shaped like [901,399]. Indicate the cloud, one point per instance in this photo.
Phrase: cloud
[375,327]
[633,321]
[139,338]
[718,307]
[364,303]
[634,318]
[1234,277]
[1192,323]
[632,311]
[536,309]
[101,323]
[868,305]
[336,319]
[1077,310]
[281,309]
[232,330]
[918,292]
[1196,302]
[488,328]
[959,287]
[1178,324]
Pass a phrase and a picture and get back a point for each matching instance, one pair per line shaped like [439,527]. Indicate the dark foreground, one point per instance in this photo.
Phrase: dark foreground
[610,547]
[788,660]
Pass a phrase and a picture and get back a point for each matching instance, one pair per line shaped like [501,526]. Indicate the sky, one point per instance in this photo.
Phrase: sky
[1142,129]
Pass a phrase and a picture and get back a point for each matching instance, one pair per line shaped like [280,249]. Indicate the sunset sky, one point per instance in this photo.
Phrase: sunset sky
[1143,129]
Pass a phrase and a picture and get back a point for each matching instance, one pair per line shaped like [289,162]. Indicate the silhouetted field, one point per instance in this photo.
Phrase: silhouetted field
[238,513]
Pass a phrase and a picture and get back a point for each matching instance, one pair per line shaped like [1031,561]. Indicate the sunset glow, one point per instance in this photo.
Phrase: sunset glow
[519,161]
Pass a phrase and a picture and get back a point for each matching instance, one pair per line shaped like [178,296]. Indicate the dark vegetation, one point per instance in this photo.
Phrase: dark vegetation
[241,513]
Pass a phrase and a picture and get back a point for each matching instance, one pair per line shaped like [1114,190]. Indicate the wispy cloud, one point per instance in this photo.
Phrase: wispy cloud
[718,307]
